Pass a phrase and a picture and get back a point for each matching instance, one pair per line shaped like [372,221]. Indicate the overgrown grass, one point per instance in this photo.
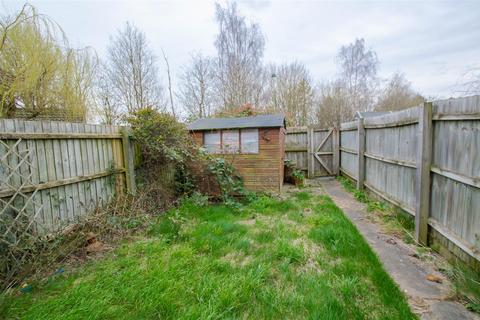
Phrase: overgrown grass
[466,284]
[272,259]
[466,281]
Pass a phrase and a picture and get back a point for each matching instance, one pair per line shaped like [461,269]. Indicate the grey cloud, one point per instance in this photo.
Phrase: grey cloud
[433,43]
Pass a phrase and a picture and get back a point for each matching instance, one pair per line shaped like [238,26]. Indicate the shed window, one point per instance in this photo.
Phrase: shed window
[230,141]
[249,140]
[212,142]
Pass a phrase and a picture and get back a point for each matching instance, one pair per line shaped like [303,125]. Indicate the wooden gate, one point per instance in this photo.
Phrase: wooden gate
[312,149]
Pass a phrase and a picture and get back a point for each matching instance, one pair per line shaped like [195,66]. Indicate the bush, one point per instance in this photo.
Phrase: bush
[161,137]
[163,141]
[166,151]
[229,183]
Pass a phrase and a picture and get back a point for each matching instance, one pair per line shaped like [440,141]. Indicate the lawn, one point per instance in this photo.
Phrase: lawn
[294,258]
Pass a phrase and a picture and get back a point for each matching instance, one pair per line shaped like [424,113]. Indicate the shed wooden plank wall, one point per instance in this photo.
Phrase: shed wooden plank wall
[392,160]
[64,169]
[282,135]
[262,171]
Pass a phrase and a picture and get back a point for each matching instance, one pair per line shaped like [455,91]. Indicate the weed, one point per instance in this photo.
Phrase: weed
[466,282]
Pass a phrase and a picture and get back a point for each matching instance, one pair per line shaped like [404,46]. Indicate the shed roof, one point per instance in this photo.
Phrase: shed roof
[262,121]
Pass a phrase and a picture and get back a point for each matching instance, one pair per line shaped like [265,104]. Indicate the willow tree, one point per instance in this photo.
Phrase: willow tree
[40,75]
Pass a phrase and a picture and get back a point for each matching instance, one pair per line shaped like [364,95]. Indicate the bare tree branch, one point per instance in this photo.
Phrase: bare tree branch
[196,89]
[169,84]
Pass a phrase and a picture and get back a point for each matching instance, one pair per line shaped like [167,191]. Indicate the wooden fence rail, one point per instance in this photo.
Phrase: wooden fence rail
[425,160]
[53,173]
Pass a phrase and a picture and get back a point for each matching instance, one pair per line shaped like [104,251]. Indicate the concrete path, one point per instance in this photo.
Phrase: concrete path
[427,299]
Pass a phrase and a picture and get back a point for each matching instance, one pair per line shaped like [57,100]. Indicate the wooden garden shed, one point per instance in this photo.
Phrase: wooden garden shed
[255,146]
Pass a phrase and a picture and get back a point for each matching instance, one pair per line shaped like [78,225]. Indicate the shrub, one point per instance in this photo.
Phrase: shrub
[164,142]
[229,183]
[166,151]
[161,137]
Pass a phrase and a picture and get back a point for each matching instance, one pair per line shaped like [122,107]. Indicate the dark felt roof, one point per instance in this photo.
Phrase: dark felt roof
[263,121]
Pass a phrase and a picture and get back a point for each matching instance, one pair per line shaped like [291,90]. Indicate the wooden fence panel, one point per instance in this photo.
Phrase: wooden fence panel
[397,183]
[392,163]
[390,152]
[455,190]
[56,172]
[349,151]
[348,164]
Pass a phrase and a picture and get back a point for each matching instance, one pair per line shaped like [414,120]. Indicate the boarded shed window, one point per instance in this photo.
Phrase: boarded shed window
[250,141]
[231,141]
[212,142]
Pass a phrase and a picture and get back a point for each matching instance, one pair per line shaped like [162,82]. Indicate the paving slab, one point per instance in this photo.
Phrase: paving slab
[428,299]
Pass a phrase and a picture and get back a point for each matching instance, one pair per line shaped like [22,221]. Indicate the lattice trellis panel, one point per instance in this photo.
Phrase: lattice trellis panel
[18,210]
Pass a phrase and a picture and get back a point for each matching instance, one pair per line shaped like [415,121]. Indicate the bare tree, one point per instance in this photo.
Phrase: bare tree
[471,82]
[107,108]
[132,70]
[240,47]
[358,74]
[196,86]
[398,95]
[332,104]
[291,92]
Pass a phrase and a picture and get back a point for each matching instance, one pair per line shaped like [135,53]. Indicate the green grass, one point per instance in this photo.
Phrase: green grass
[272,259]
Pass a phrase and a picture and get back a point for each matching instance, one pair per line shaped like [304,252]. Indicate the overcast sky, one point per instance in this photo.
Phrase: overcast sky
[434,43]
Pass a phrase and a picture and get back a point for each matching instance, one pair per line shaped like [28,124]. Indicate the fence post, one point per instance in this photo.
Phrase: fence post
[361,151]
[310,160]
[128,153]
[422,181]
[336,150]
